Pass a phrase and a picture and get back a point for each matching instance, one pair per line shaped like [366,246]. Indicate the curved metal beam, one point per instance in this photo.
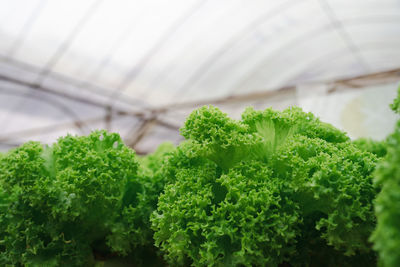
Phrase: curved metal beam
[256,96]
[68,40]
[304,37]
[338,25]
[324,29]
[138,68]
[26,27]
[231,42]
[98,90]
[344,53]
[55,104]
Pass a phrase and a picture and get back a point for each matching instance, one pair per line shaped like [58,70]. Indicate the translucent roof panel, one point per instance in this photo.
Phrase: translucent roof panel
[92,58]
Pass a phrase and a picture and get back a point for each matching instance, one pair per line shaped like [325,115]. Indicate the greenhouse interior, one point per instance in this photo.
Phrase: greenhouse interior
[200,133]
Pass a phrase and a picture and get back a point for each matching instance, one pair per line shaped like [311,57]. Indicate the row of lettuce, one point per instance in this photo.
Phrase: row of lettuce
[272,189]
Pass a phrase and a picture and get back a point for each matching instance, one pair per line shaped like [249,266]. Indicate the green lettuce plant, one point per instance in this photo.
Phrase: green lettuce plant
[61,204]
[386,237]
[272,188]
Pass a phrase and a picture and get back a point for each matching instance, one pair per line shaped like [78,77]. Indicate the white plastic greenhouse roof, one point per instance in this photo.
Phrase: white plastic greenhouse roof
[139,67]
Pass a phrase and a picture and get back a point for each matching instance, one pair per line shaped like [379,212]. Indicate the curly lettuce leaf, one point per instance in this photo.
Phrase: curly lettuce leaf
[386,237]
[131,233]
[217,137]
[395,106]
[239,218]
[334,186]
[64,198]
[378,148]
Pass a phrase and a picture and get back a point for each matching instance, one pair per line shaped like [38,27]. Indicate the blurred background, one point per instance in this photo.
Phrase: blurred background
[140,67]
